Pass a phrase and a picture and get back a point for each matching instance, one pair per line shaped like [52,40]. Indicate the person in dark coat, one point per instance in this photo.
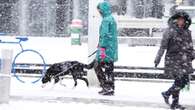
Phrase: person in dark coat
[177,42]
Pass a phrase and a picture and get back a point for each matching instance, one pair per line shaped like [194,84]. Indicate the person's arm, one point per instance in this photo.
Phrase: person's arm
[192,51]
[105,34]
[163,47]
[105,37]
[159,56]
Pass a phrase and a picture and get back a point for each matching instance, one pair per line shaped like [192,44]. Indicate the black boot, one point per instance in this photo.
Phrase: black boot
[102,91]
[166,97]
[108,88]
[175,103]
[177,106]
[171,91]
[107,92]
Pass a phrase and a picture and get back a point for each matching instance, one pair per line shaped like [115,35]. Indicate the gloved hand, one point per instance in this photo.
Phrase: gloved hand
[156,61]
[158,56]
[193,55]
[102,53]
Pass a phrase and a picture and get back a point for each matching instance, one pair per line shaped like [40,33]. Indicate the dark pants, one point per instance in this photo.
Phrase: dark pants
[179,83]
[105,75]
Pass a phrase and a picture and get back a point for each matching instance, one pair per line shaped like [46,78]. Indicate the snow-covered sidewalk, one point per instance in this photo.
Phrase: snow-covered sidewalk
[129,95]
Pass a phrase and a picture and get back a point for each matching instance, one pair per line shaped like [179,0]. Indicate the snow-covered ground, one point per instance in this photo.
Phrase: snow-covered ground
[71,106]
[130,95]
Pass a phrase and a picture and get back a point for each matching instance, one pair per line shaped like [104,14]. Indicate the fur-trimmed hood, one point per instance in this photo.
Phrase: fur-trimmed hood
[173,19]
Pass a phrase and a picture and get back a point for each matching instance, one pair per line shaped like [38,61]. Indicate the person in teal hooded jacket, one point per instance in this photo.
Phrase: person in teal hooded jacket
[107,52]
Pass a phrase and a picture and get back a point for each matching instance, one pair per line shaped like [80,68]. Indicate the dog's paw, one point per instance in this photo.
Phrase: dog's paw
[64,85]
[43,85]
[73,87]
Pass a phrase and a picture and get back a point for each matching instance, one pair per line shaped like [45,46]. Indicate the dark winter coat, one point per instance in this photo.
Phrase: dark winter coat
[179,47]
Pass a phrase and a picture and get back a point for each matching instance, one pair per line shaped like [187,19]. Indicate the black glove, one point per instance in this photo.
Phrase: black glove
[156,61]
[158,56]
[193,55]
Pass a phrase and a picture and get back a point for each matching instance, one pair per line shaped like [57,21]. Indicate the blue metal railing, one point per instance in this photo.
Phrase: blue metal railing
[19,40]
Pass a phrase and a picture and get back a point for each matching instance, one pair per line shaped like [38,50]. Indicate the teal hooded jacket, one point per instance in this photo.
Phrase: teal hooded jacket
[108,34]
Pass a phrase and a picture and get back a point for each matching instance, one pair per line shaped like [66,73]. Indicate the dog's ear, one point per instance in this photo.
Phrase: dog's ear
[43,80]
[46,78]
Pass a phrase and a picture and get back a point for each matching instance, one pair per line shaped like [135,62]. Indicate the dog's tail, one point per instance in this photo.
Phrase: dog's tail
[90,66]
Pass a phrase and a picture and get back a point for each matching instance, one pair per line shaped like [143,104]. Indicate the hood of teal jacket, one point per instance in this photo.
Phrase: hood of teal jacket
[105,9]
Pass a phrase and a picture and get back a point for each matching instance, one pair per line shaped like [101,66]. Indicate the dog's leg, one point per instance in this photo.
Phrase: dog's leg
[75,82]
[56,80]
[86,81]
[43,85]
[62,83]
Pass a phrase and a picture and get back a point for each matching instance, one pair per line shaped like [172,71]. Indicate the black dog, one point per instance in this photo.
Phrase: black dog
[57,70]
